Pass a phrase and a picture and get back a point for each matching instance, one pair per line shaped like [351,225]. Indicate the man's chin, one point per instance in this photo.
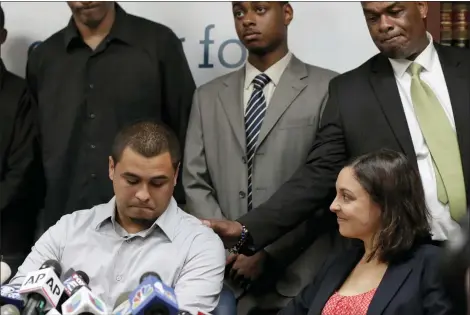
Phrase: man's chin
[90,21]
[142,221]
[257,49]
[394,53]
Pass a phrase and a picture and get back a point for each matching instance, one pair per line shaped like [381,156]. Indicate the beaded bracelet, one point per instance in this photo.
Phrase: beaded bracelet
[236,248]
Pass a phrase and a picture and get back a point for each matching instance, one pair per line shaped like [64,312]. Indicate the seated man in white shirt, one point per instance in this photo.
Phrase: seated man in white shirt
[140,229]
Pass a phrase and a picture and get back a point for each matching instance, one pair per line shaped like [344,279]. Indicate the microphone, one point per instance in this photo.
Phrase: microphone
[122,305]
[83,301]
[42,288]
[9,295]
[75,279]
[9,309]
[5,272]
[153,297]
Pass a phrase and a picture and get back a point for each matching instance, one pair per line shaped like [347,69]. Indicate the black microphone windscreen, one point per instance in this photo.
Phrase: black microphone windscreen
[54,264]
[150,273]
[84,276]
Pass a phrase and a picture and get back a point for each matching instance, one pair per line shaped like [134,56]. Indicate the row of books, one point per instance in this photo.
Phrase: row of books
[454,24]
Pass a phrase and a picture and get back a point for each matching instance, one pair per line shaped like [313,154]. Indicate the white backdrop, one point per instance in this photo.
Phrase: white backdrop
[328,34]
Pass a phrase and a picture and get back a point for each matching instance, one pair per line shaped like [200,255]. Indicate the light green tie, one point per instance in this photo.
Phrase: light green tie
[441,140]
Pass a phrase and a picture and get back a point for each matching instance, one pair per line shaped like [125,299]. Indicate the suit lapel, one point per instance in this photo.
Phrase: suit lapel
[385,87]
[289,87]
[389,286]
[458,84]
[231,97]
[334,278]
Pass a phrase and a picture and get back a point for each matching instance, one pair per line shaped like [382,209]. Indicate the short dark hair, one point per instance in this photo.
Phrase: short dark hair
[149,139]
[395,185]
[2,18]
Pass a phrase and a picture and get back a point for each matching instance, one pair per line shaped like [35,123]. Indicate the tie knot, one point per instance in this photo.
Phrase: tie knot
[260,81]
[415,69]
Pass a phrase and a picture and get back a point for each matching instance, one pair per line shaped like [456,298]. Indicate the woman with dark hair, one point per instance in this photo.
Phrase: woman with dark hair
[393,269]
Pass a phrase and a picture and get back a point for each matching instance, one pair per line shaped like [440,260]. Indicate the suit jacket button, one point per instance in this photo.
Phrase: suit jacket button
[244,159]
[242,194]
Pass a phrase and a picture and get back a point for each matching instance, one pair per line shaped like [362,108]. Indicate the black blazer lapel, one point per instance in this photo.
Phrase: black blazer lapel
[334,278]
[385,87]
[389,286]
[456,70]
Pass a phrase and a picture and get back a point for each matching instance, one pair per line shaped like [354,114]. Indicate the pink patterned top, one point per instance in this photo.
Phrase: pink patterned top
[348,305]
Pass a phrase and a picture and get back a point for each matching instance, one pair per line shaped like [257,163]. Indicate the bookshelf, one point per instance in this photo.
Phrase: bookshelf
[454,30]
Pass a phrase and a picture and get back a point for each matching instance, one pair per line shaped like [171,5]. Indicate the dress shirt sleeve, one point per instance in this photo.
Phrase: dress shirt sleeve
[32,72]
[49,246]
[200,282]
[178,88]
[197,183]
[23,167]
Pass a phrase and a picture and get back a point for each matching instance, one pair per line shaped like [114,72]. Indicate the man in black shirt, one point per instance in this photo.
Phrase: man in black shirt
[107,68]
[18,207]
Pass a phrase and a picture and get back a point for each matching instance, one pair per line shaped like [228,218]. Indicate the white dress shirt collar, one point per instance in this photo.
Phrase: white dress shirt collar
[274,72]
[166,222]
[425,59]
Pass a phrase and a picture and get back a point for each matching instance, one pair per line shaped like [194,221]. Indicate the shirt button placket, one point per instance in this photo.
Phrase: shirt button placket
[118,268]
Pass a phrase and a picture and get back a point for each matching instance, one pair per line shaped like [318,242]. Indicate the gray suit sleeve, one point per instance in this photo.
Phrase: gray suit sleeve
[285,250]
[200,195]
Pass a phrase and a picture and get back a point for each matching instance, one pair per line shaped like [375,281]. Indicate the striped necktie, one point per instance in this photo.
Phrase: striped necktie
[254,116]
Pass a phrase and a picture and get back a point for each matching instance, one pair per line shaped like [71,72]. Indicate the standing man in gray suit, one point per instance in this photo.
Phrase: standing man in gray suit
[248,132]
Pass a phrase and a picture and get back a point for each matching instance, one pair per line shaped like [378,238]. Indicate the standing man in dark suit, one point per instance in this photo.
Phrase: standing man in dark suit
[242,128]
[18,164]
[413,97]
[107,68]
